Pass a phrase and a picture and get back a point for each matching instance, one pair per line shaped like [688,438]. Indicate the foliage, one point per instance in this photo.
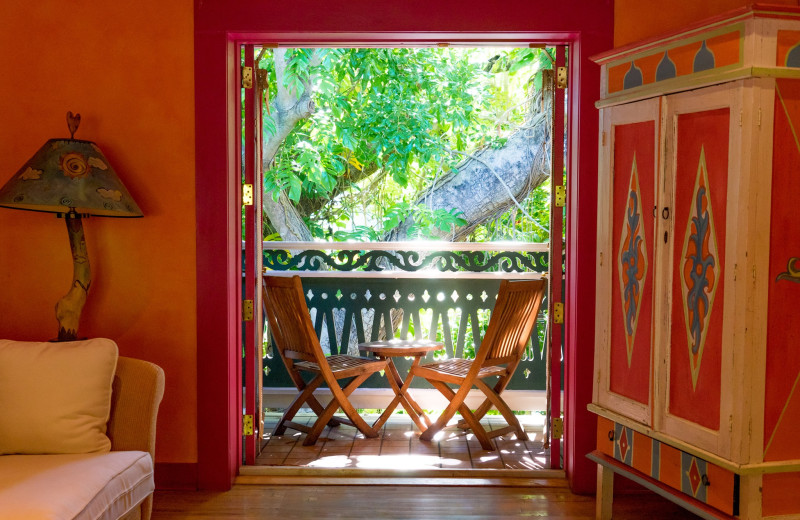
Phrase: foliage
[386,125]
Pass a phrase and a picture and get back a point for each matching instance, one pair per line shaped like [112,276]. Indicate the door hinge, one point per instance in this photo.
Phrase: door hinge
[247,424]
[558,312]
[247,310]
[603,138]
[247,194]
[561,77]
[557,428]
[247,77]
[560,196]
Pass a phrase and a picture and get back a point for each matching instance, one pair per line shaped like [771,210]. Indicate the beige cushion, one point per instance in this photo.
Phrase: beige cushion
[93,486]
[55,397]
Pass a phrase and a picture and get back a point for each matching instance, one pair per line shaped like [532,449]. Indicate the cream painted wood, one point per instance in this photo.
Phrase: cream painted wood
[710,98]
[753,255]
[647,110]
[605,493]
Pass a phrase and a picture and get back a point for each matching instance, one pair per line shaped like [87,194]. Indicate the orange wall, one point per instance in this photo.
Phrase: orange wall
[636,20]
[127,67]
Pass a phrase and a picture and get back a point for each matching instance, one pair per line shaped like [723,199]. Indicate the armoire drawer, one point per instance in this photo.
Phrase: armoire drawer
[681,471]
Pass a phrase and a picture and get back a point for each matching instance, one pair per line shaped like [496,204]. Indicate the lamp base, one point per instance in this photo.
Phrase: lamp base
[69,307]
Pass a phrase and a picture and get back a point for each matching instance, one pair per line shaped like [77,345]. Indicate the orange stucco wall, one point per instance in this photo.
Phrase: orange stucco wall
[636,20]
[127,68]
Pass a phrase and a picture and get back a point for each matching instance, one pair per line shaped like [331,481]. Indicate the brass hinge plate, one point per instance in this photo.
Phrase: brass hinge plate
[557,428]
[561,77]
[558,312]
[247,310]
[247,424]
[247,194]
[560,196]
[247,77]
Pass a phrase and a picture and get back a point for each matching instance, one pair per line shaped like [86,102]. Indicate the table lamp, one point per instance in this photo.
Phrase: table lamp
[73,179]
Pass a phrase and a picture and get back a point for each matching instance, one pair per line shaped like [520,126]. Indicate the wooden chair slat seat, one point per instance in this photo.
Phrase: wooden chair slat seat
[340,364]
[299,348]
[499,354]
[460,368]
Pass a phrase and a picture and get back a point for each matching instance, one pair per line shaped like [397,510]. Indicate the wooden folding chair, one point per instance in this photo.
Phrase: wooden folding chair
[298,345]
[499,354]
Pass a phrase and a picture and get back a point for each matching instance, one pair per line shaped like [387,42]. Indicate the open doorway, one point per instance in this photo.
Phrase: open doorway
[384,171]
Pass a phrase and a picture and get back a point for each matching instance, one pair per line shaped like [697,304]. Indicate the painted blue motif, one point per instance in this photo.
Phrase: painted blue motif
[793,57]
[704,59]
[698,277]
[633,78]
[666,68]
[630,264]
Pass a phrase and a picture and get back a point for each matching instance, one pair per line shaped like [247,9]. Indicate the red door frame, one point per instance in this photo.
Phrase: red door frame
[586,26]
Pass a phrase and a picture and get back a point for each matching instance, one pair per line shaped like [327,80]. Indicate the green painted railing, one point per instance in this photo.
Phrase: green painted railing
[439,291]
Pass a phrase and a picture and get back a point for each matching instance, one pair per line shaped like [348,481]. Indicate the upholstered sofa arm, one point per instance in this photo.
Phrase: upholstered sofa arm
[136,393]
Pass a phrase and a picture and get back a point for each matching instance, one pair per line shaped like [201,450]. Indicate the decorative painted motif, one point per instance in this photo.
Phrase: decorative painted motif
[692,472]
[675,468]
[792,273]
[700,271]
[623,444]
[703,59]
[793,57]
[632,260]
[666,68]
[788,49]
[633,78]
[713,51]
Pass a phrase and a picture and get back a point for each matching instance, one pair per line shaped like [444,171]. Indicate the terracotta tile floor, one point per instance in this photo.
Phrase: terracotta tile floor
[399,447]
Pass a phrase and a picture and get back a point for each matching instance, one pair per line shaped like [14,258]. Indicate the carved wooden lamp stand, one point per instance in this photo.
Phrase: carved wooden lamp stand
[73,179]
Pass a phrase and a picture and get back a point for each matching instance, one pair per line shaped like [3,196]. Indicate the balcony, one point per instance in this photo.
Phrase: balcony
[359,292]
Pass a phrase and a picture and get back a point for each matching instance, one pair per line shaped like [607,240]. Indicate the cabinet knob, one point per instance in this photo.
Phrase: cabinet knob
[665,213]
[705,481]
[611,435]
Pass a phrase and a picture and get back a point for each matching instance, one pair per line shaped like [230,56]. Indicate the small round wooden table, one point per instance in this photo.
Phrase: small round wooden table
[416,348]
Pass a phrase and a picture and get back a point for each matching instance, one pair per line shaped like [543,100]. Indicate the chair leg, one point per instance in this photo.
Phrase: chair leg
[348,408]
[501,405]
[340,400]
[307,393]
[457,404]
[446,415]
[486,405]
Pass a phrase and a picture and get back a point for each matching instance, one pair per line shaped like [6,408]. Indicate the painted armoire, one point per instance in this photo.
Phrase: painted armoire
[697,353]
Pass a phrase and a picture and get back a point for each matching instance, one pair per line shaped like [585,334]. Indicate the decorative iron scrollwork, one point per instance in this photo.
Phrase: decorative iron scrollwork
[408,261]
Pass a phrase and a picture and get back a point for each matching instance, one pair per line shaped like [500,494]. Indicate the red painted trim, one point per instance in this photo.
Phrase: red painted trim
[250,282]
[582,117]
[586,24]
[218,269]
[556,252]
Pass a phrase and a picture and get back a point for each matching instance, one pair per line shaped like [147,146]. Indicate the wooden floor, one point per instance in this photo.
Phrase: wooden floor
[549,498]
[398,447]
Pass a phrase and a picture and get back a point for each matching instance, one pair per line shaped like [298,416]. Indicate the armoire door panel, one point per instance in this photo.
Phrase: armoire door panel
[782,388]
[632,261]
[700,206]
[626,242]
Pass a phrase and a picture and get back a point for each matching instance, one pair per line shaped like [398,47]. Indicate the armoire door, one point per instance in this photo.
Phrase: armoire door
[626,266]
[697,235]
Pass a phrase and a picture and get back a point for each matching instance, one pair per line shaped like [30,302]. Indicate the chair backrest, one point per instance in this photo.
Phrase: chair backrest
[289,319]
[512,321]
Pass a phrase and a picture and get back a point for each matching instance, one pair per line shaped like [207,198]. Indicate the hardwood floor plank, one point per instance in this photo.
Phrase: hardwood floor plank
[551,499]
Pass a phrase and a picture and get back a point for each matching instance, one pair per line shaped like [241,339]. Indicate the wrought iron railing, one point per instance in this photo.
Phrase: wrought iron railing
[443,291]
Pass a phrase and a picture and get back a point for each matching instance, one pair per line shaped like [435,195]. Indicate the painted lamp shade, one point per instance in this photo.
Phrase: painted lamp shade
[69,175]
